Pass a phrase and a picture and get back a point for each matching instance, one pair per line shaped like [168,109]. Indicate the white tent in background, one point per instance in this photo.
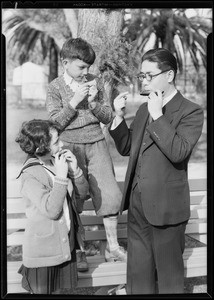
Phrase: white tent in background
[33,81]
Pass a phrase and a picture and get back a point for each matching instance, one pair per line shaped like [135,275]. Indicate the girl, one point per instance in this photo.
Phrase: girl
[53,187]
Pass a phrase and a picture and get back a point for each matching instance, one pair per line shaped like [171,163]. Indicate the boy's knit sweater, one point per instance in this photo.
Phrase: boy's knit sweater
[80,125]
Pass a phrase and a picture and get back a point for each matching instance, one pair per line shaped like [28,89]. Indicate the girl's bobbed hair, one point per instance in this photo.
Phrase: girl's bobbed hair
[35,136]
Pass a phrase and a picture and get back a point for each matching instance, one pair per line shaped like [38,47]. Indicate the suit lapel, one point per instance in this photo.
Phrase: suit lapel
[138,130]
[173,106]
[169,111]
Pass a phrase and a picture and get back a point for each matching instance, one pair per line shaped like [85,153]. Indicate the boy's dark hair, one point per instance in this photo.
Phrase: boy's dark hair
[163,57]
[78,49]
[34,136]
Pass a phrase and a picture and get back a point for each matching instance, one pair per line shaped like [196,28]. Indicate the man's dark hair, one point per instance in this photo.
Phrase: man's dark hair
[164,59]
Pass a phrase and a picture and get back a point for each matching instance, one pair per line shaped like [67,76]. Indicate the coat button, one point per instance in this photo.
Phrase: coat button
[66,256]
[144,144]
[64,240]
[61,221]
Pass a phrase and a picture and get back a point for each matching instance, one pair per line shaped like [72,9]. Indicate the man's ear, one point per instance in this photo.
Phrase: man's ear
[170,75]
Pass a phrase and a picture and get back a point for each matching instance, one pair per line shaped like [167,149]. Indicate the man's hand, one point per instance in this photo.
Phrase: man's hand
[155,103]
[120,104]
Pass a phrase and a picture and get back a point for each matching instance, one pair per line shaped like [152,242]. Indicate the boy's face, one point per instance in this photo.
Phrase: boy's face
[77,69]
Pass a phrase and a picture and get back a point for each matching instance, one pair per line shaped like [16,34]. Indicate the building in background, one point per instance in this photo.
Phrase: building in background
[29,84]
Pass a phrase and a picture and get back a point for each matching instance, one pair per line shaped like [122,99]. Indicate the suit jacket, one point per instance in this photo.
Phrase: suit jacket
[167,146]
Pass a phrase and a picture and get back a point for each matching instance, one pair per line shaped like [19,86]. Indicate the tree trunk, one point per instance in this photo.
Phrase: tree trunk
[71,18]
[53,66]
[95,26]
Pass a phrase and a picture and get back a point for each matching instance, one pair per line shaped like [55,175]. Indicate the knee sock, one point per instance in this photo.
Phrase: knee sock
[110,224]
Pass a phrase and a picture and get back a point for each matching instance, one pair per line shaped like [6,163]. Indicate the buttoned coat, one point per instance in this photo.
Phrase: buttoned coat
[46,241]
[167,145]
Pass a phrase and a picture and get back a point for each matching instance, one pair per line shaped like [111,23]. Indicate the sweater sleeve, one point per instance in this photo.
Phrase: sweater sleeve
[81,186]
[102,110]
[62,113]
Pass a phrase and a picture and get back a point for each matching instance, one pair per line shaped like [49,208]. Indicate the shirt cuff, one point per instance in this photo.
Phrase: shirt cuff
[116,121]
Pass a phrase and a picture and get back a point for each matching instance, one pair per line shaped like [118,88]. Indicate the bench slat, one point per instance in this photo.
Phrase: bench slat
[17,238]
[196,228]
[199,237]
[195,184]
[198,184]
[16,205]
[197,212]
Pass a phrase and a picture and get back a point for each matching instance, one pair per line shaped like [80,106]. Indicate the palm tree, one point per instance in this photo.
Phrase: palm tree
[33,35]
[34,31]
[45,31]
[171,29]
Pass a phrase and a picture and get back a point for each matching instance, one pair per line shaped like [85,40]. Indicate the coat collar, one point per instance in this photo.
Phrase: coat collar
[33,167]
[172,106]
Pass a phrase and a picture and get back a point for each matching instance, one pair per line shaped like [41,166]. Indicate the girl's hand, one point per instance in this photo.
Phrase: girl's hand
[71,159]
[61,165]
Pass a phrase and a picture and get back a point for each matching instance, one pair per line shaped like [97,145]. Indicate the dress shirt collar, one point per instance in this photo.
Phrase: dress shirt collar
[168,98]
[68,79]
[73,84]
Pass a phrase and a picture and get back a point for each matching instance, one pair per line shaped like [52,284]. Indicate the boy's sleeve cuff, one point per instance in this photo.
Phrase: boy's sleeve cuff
[77,173]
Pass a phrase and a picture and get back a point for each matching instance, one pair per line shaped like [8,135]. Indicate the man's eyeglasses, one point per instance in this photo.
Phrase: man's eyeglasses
[148,76]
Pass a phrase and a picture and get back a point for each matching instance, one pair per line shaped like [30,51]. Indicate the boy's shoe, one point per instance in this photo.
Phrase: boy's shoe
[117,255]
[82,264]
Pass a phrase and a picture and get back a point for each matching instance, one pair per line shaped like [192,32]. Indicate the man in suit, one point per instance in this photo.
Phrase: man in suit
[159,142]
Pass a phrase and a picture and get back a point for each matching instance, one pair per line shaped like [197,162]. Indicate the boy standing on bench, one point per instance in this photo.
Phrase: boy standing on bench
[75,100]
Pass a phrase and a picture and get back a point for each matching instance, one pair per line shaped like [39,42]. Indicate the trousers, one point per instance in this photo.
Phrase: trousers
[96,163]
[154,252]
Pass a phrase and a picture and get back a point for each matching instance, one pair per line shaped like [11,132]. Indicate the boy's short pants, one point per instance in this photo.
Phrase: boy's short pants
[95,161]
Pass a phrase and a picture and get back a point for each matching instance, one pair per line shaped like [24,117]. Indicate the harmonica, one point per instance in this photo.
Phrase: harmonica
[146,93]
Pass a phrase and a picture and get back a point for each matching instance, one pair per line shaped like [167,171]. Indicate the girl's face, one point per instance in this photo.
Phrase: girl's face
[55,144]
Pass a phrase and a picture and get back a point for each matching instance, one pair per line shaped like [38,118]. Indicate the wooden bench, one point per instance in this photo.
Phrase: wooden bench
[103,273]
